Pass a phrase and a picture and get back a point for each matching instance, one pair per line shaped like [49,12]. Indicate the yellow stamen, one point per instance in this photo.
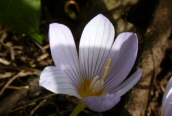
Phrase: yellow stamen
[98,86]
[94,87]
[92,83]
[106,69]
[85,91]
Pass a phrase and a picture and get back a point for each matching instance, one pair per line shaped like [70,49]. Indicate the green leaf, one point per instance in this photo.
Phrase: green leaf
[38,37]
[20,16]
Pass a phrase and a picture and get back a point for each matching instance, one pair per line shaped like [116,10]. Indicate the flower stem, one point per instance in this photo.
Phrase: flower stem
[78,109]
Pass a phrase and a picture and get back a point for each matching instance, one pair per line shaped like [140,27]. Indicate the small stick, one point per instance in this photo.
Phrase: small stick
[40,104]
[20,74]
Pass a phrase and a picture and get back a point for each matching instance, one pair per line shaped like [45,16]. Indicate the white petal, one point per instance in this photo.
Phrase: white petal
[167,106]
[169,109]
[168,90]
[63,50]
[123,55]
[167,99]
[57,81]
[95,45]
[128,84]
[101,103]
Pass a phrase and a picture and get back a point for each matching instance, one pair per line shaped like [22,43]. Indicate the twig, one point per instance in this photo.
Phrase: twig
[40,104]
[32,102]
[18,95]
[20,74]
[20,68]
[6,75]
[42,57]
[24,106]
[5,62]
[18,88]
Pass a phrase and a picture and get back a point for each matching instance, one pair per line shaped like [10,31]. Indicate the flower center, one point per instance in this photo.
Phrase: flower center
[94,87]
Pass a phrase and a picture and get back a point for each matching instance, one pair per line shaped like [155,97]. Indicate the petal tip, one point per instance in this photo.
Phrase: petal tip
[100,15]
[53,24]
[56,25]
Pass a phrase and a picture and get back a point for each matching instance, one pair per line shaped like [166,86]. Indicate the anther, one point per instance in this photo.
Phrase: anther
[106,69]
[97,86]
[93,82]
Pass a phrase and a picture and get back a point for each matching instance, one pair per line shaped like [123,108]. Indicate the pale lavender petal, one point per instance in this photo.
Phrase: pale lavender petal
[128,84]
[123,55]
[167,100]
[57,81]
[63,51]
[95,45]
[167,106]
[169,109]
[168,90]
[101,103]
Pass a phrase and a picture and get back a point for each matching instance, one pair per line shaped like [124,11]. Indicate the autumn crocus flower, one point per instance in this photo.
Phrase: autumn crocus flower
[167,100]
[97,76]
